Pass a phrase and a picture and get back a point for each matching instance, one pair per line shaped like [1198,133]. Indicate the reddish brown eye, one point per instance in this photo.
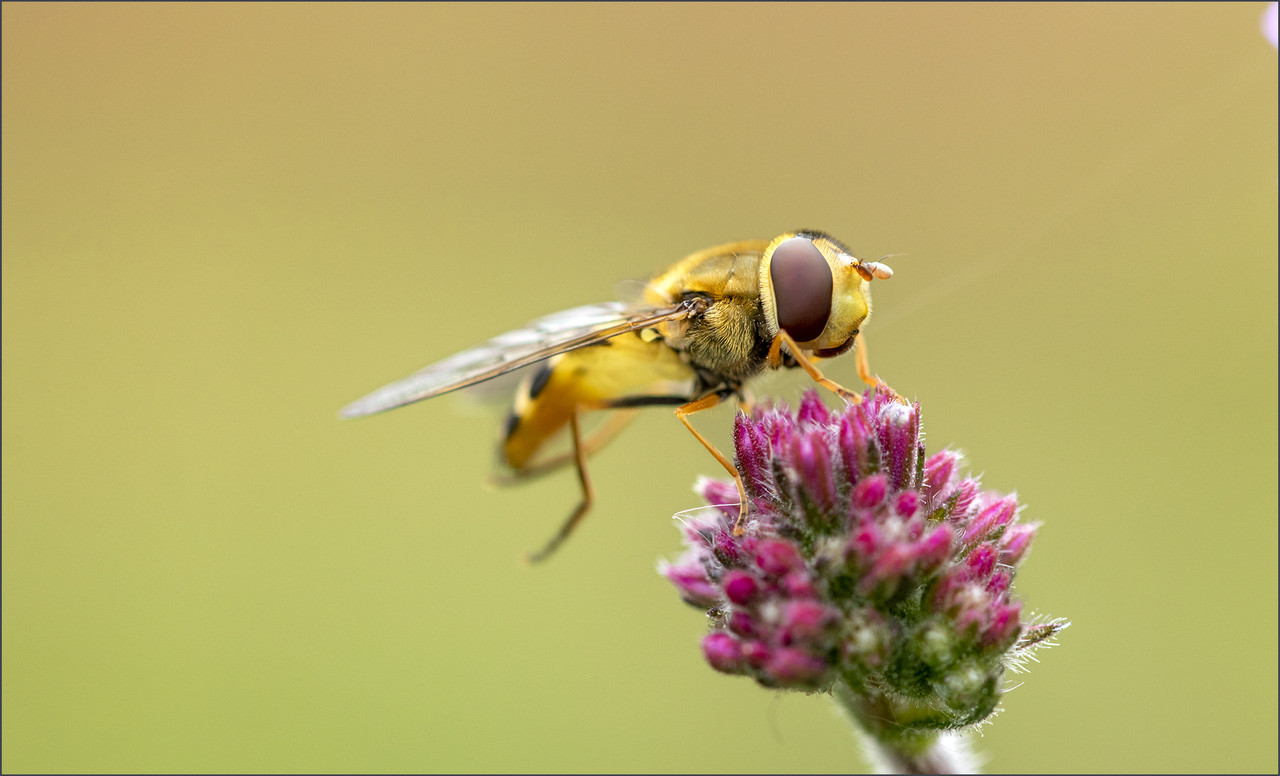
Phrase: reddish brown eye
[801,288]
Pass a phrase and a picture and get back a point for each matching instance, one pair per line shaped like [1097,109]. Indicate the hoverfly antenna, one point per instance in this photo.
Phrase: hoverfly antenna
[873,269]
[878,269]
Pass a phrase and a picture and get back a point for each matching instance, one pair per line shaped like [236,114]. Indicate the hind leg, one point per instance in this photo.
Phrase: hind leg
[582,448]
[588,496]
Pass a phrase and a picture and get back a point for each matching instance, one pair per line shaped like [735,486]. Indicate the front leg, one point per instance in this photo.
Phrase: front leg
[775,360]
[860,358]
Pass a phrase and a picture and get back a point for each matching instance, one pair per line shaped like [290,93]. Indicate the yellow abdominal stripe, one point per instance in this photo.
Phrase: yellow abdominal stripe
[622,366]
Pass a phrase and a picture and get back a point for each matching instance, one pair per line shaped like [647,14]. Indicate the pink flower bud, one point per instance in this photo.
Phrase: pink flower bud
[806,619]
[934,548]
[981,562]
[998,585]
[856,443]
[723,495]
[795,666]
[777,557]
[743,624]
[907,503]
[812,411]
[993,516]
[693,584]
[812,460]
[739,587]
[940,477]
[966,493]
[870,492]
[727,549]
[756,653]
[864,544]
[899,432]
[723,652]
[797,584]
[1004,625]
[1015,543]
[753,456]
[895,561]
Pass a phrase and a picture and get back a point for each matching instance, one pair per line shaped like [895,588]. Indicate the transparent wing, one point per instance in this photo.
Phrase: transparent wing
[541,339]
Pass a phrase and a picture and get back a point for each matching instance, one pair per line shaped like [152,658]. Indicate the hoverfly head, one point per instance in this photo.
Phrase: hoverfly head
[813,288]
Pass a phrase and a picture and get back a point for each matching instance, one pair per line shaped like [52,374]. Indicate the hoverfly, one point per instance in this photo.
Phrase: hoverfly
[703,327]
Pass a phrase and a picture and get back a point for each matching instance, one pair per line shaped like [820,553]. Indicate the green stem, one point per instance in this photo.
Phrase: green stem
[902,737]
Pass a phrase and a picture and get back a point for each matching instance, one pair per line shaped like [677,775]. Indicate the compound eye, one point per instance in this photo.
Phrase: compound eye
[801,288]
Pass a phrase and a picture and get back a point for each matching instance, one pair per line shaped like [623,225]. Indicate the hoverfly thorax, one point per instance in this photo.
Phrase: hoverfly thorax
[812,288]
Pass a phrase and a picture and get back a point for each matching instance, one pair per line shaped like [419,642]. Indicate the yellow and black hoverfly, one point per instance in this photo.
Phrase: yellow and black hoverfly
[701,329]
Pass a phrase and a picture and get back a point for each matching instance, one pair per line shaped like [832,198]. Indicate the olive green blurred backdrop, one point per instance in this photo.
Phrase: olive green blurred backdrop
[223,222]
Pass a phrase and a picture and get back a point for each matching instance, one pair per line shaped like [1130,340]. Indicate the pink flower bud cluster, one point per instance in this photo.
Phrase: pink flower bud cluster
[862,560]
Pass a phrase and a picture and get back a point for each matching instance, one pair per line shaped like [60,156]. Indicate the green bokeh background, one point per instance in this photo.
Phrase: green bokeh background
[223,222]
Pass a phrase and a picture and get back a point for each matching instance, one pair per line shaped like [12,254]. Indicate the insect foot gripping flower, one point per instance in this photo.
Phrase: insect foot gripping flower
[866,570]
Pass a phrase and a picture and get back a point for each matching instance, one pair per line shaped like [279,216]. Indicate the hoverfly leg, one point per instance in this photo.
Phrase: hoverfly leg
[864,369]
[588,496]
[697,405]
[864,366]
[775,359]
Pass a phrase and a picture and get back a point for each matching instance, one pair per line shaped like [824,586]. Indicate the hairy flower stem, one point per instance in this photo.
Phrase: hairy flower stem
[894,741]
